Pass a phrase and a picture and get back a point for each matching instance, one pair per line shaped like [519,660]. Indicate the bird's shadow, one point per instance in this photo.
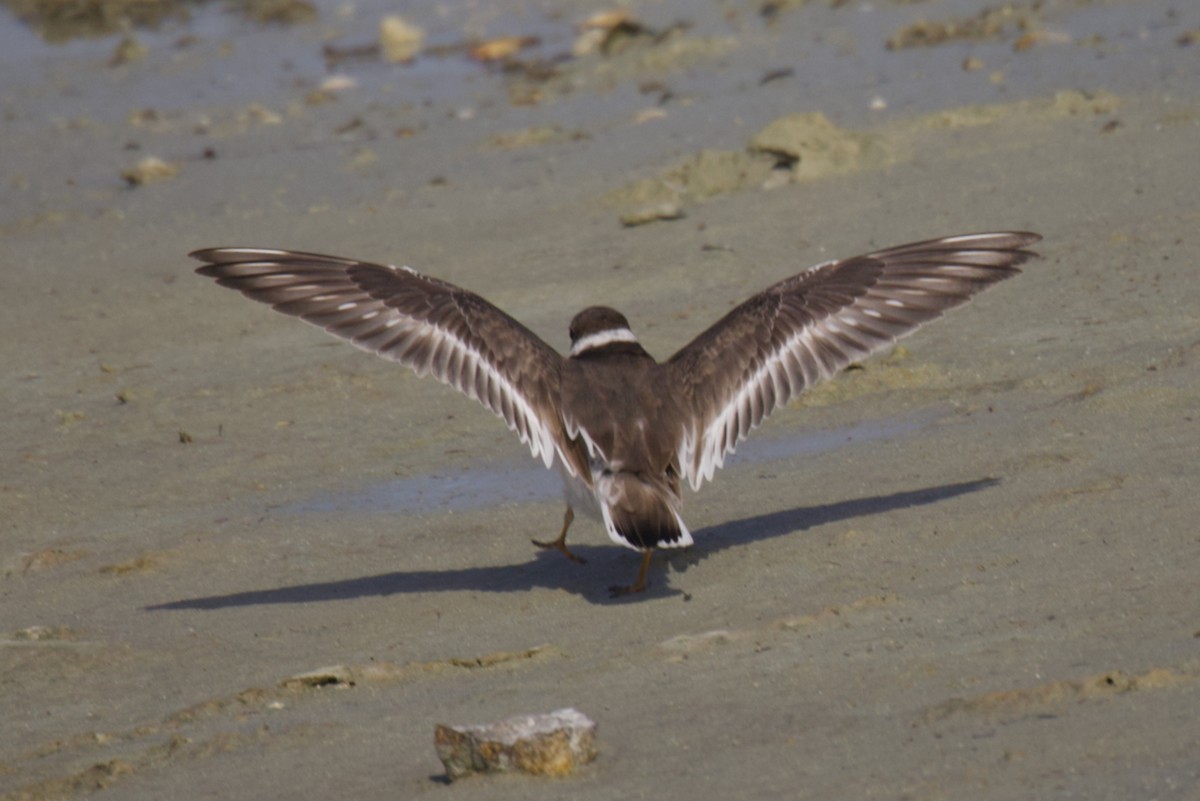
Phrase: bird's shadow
[549,570]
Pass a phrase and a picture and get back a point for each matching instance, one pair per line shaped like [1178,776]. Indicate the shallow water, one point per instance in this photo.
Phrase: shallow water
[525,481]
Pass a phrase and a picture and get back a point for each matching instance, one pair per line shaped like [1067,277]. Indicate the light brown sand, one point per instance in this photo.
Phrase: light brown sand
[998,603]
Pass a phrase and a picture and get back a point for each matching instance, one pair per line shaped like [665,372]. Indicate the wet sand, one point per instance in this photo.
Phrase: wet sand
[966,570]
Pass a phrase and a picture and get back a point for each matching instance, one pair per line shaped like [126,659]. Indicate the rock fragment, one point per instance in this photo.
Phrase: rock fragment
[502,48]
[604,30]
[551,744]
[128,50]
[331,676]
[652,212]
[399,40]
[149,170]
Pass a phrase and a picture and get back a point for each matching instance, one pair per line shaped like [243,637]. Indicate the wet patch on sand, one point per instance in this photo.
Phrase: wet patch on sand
[483,486]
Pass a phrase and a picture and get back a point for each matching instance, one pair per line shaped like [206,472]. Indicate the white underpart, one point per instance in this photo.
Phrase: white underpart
[578,495]
[613,534]
[685,537]
[594,501]
[601,338]
[606,495]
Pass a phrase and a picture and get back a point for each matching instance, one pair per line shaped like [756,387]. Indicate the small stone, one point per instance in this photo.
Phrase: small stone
[652,212]
[502,48]
[338,83]
[258,114]
[332,676]
[37,633]
[552,744]
[605,30]
[149,170]
[128,50]
[399,40]
[364,158]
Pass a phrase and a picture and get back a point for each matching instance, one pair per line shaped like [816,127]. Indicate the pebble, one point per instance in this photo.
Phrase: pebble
[653,212]
[551,744]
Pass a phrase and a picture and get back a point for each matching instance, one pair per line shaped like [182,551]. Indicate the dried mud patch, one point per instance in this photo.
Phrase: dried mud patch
[896,370]
[792,149]
[808,147]
[1055,696]
[81,764]
[682,647]
[57,21]
[990,24]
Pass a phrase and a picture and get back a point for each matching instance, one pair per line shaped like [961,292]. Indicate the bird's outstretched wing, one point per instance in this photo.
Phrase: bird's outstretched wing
[431,326]
[808,327]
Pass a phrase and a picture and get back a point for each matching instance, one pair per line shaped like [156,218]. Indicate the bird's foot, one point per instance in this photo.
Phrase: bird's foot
[560,545]
[617,591]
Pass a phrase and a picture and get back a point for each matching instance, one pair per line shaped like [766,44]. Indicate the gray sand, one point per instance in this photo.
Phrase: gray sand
[967,570]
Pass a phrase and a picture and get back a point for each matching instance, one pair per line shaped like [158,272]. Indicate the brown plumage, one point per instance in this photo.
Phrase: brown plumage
[625,430]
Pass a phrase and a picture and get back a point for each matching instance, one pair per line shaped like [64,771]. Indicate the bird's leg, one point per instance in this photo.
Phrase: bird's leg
[560,544]
[637,586]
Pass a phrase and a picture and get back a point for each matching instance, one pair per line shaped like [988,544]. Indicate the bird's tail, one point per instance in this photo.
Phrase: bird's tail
[640,513]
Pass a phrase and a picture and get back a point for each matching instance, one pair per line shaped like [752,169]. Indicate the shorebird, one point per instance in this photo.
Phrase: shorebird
[623,429]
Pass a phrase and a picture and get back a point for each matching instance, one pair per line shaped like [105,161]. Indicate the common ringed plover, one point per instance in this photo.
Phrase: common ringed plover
[623,429]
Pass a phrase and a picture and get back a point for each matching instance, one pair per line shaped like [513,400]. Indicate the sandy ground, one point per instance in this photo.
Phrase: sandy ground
[965,571]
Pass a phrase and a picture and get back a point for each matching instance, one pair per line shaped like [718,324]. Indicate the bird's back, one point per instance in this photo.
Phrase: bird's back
[621,402]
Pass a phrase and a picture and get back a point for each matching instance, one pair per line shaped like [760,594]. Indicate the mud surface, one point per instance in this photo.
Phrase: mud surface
[241,559]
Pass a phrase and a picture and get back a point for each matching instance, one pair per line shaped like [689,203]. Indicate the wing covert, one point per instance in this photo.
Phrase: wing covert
[808,327]
[428,325]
